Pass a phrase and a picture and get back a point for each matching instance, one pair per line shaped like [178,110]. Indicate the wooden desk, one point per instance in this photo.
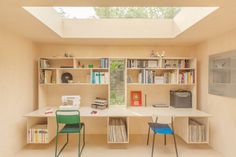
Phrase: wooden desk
[181,122]
[126,112]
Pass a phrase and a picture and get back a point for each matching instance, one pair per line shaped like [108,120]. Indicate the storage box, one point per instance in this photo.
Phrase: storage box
[181,99]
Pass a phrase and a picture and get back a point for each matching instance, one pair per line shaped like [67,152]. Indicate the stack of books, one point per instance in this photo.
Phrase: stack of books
[134,63]
[100,103]
[38,134]
[117,130]
[99,78]
[197,131]
[186,77]
[104,63]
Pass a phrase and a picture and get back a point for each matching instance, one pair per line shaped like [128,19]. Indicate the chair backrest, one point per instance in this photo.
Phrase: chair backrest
[68,117]
[163,119]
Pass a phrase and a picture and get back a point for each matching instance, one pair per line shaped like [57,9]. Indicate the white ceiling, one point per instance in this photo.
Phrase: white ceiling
[16,19]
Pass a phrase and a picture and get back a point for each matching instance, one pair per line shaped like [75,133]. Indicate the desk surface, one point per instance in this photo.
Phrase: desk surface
[125,112]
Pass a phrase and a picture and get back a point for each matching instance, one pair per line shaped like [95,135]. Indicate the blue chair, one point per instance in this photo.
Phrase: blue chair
[162,125]
[70,120]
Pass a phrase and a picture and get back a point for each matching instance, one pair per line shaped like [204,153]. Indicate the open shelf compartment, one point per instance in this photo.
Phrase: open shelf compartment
[118,131]
[40,130]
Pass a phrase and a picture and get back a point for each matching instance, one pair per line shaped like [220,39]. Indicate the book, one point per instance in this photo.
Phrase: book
[38,134]
[100,77]
[47,76]
[117,130]
[186,77]
[197,132]
[136,98]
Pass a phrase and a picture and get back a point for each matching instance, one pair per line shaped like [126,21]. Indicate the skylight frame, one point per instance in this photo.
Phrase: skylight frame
[121,28]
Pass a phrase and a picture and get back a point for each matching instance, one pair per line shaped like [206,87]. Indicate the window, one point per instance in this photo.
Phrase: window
[118,12]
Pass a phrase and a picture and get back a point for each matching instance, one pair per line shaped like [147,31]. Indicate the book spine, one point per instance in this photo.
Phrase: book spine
[99,77]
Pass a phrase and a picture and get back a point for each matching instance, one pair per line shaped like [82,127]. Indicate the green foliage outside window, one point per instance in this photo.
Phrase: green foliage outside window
[137,12]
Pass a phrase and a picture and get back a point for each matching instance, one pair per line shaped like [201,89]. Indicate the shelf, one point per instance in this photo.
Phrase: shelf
[161,68]
[74,68]
[205,142]
[71,84]
[164,84]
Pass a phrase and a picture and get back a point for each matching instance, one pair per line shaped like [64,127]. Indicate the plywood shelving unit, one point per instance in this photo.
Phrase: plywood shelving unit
[157,91]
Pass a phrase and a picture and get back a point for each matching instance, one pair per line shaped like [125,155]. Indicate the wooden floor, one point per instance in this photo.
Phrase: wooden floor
[96,146]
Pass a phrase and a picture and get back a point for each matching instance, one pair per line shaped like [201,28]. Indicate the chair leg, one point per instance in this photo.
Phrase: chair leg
[176,150]
[56,145]
[165,139]
[83,140]
[153,142]
[148,135]
[67,140]
[79,153]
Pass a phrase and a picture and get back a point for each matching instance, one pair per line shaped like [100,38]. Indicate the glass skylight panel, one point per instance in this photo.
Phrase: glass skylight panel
[118,12]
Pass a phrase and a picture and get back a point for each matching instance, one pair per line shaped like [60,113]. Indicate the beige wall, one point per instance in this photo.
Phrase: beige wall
[17,90]
[223,109]
[109,51]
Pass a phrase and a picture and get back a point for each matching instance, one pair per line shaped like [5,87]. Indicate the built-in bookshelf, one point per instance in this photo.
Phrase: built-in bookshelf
[156,77]
[162,71]
[98,77]
[80,71]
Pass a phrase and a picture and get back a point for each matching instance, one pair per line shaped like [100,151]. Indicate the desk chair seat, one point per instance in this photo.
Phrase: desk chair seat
[70,119]
[72,128]
[162,128]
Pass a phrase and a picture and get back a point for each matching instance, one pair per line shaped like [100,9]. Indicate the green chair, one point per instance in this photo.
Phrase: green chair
[68,122]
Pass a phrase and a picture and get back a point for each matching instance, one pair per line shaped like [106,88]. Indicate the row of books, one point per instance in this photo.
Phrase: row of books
[104,63]
[38,134]
[100,78]
[197,131]
[149,76]
[99,103]
[146,76]
[170,77]
[186,77]
[46,76]
[175,63]
[117,130]
[134,63]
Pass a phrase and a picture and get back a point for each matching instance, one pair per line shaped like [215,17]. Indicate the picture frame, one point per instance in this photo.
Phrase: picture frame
[136,98]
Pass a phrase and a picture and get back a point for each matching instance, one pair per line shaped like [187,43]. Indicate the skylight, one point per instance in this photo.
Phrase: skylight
[118,12]
[134,22]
